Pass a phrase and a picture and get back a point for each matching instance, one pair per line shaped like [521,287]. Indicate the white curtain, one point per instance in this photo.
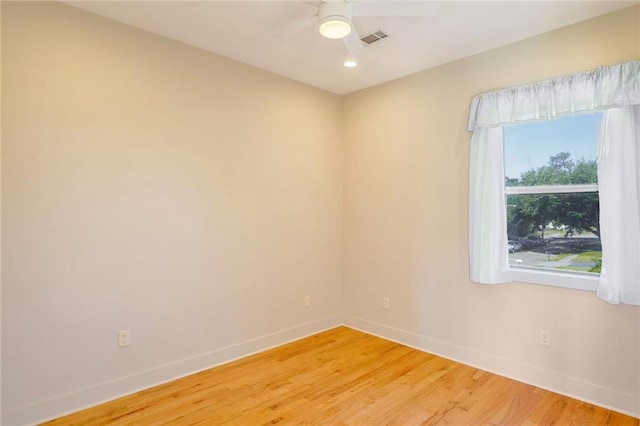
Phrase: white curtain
[619,185]
[599,89]
[489,258]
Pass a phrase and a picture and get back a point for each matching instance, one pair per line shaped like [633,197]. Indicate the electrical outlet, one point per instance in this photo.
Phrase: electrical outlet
[545,337]
[123,338]
[307,301]
[385,303]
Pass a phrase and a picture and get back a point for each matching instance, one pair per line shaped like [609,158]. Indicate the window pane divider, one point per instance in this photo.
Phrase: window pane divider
[550,189]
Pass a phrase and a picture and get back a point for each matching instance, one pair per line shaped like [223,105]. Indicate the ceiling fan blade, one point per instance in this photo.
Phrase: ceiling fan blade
[393,8]
[353,43]
[295,26]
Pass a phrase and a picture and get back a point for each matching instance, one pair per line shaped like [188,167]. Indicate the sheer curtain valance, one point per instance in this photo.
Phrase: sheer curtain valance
[612,89]
[599,89]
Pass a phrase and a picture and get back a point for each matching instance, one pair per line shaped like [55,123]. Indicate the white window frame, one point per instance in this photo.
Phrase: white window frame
[565,279]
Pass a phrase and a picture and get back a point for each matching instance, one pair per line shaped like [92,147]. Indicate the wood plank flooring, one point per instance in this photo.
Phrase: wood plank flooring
[345,377]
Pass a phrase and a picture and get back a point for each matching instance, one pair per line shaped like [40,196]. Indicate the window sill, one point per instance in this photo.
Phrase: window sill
[573,280]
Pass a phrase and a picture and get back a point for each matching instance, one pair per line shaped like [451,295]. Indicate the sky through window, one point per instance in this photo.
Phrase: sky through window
[529,146]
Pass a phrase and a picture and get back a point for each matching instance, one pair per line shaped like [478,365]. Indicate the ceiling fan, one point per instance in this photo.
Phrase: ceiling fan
[334,18]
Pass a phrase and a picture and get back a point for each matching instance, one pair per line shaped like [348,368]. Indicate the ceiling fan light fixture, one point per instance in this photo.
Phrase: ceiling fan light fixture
[335,27]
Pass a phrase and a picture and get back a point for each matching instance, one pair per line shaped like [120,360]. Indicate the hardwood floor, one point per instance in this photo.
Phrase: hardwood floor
[345,377]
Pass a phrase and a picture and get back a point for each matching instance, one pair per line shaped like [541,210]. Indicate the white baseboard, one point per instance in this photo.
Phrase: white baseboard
[569,386]
[103,392]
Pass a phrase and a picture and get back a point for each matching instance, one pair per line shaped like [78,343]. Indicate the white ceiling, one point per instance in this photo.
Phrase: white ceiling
[239,29]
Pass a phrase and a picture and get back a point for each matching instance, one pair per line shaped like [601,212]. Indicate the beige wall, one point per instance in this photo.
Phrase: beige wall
[152,186]
[406,194]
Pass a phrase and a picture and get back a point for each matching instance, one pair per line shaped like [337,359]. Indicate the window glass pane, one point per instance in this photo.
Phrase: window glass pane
[555,231]
[554,152]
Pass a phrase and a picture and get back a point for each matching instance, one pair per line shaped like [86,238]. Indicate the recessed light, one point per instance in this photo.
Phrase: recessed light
[350,64]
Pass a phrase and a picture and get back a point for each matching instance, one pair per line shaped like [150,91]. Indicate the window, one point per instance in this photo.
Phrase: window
[552,203]
[572,196]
